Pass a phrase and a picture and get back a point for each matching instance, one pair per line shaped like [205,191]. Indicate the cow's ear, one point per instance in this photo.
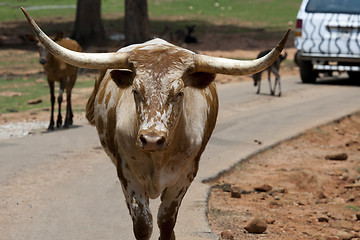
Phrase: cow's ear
[199,79]
[122,78]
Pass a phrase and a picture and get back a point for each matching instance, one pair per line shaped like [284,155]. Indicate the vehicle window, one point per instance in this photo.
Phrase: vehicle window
[333,6]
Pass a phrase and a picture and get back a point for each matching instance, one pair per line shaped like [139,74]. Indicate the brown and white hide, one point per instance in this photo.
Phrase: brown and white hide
[154,124]
[155,106]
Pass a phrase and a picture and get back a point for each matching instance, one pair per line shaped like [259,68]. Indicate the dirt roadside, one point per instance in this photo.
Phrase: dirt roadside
[293,189]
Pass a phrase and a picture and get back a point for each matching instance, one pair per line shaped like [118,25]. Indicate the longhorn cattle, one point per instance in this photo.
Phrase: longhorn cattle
[154,106]
[59,71]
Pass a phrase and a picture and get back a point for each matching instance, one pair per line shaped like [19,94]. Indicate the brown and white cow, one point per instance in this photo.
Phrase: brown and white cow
[155,106]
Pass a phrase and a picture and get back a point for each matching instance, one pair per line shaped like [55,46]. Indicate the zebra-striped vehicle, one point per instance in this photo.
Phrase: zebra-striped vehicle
[328,38]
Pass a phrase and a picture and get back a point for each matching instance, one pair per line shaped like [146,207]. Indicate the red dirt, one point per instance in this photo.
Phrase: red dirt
[311,197]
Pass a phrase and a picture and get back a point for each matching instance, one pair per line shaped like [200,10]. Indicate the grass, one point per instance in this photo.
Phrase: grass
[24,89]
[10,10]
[269,13]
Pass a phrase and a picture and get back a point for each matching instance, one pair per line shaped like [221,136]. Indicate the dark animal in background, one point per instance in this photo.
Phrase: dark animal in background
[274,68]
[189,38]
[179,36]
[58,71]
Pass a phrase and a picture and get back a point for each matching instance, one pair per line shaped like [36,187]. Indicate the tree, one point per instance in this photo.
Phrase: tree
[136,21]
[88,26]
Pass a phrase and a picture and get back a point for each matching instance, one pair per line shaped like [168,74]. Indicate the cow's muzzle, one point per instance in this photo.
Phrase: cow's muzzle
[152,141]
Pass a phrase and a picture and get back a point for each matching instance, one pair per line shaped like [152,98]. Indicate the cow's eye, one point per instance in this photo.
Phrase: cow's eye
[135,92]
[138,94]
[180,94]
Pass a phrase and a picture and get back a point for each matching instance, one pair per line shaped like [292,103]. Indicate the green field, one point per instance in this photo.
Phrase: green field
[271,13]
[16,92]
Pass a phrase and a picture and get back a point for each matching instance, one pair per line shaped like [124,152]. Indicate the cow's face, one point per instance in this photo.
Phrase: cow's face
[158,82]
[158,91]
[158,106]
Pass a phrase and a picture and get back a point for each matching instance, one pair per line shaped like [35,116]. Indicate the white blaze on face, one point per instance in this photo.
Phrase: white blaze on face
[158,104]
[158,88]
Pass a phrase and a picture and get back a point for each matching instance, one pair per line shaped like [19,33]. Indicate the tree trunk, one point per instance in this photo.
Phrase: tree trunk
[136,21]
[88,26]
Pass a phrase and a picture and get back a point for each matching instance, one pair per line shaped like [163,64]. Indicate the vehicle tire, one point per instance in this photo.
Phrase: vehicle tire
[297,58]
[307,73]
[354,75]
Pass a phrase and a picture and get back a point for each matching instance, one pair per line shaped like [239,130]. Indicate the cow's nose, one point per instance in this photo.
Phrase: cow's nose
[152,142]
[42,61]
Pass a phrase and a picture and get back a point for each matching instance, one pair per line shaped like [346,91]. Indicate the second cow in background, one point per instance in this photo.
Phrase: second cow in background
[58,71]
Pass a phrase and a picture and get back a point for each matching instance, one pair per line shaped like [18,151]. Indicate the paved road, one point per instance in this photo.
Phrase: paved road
[61,185]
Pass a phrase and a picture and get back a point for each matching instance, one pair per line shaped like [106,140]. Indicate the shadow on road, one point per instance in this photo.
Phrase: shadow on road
[44,131]
[340,81]
[337,81]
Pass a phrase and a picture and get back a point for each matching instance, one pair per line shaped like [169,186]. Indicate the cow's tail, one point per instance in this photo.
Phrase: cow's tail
[90,104]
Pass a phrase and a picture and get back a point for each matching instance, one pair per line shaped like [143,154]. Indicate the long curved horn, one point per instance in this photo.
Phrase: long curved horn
[84,60]
[210,64]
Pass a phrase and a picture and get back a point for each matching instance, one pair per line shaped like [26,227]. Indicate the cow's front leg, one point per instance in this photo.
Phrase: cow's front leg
[168,211]
[139,210]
